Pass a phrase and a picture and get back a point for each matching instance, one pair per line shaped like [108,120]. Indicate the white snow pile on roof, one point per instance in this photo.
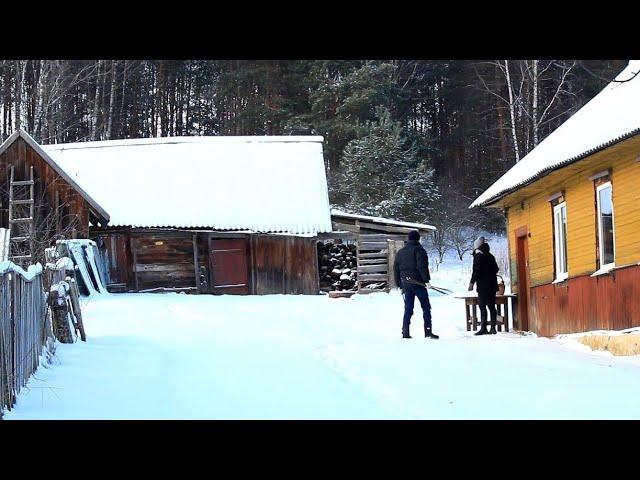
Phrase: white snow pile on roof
[610,116]
[386,221]
[259,183]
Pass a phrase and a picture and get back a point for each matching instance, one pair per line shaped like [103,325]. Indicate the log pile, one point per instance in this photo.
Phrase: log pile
[337,264]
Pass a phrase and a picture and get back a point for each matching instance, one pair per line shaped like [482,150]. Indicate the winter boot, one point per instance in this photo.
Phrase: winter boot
[493,330]
[406,336]
[483,330]
[429,334]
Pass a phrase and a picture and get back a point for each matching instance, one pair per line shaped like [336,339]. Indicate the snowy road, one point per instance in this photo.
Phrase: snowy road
[154,356]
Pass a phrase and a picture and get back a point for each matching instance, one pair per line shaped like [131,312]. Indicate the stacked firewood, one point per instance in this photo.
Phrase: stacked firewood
[338,265]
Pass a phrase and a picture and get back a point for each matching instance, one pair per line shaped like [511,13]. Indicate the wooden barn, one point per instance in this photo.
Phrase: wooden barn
[221,215]
[39,201]
[573,216]
[218,215]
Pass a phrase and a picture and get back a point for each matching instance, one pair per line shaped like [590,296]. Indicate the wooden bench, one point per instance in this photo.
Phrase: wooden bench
[471,312]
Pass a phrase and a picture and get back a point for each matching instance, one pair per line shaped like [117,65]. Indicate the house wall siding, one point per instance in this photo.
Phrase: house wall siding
[582,303]
[581,222]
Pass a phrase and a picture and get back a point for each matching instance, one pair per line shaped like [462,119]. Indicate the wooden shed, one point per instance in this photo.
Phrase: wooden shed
[222,215]
[573,209]
[39,201]
[377,239]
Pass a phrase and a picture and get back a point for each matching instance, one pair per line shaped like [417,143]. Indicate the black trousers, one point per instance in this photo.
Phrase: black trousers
[409,292]
[487,301]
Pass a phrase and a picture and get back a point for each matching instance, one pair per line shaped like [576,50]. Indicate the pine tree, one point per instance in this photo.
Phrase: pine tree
[383,174]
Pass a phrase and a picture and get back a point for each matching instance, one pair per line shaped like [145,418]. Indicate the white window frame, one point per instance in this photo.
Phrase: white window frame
[606,266]
[560,241]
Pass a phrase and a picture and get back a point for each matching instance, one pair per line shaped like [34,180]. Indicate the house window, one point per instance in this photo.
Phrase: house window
[560,239]
[606,241]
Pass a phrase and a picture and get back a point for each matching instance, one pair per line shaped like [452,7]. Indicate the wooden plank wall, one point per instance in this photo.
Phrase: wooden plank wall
[48,185]
[284,264]
[605,302]
[278,264]
[163,260]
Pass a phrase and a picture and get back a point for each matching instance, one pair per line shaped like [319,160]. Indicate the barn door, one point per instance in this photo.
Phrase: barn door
[522,266]
[229,266]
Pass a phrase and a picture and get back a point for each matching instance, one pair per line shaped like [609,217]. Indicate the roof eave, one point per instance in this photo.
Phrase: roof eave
[543,173]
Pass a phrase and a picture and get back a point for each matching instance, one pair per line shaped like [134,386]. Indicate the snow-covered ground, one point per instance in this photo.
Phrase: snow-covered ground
[175,356]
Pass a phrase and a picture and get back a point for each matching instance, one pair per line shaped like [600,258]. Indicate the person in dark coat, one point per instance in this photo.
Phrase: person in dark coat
[484,276]
[411,271]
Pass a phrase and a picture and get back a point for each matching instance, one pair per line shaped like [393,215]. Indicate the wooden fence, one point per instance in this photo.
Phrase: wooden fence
[23,331]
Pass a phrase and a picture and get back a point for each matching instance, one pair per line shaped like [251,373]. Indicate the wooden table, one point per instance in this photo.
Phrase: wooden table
[472,321]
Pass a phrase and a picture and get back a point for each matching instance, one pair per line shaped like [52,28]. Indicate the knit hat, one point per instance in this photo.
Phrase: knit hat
[414,235]
[479,241]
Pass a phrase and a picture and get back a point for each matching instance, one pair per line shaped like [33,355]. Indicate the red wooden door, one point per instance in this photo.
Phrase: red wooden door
[522,261]
[229,266]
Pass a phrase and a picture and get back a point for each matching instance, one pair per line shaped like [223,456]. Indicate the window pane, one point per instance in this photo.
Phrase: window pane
[606,226]
[564,238]
[560,225]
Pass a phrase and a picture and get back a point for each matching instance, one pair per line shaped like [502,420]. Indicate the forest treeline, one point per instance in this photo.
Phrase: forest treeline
[412,139]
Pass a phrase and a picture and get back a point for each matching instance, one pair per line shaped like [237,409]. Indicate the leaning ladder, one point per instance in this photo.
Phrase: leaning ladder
[21,227]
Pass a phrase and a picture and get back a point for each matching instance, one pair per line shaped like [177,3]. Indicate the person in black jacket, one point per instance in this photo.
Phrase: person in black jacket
[484,276]
[411,271]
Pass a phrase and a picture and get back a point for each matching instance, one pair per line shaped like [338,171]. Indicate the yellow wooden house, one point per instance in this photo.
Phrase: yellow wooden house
[573,218]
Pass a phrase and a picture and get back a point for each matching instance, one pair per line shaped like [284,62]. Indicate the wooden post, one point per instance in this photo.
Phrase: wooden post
[392,248]
[506,315]
[132,244]
[467,316]
[75,306]
[195,262]
[474,315]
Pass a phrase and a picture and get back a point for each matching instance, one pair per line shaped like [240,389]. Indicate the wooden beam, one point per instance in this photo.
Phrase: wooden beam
[345,226]
[380,237]
[391,229]
[195,262]
[373,261]
[132,245]
[337,234]
[373,255]
[381,268]
[373,277]
[372,245]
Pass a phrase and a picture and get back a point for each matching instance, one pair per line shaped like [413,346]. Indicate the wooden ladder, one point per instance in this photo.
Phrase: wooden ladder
[21,227]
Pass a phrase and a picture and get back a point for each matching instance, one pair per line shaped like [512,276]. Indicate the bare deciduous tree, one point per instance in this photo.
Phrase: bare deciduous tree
[535,90]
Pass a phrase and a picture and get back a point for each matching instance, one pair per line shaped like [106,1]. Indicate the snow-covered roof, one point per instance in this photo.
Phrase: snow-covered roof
[610,117]
[258,183]
[385,221]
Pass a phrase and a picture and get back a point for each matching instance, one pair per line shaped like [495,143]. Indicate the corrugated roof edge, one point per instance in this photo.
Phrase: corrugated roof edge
[186,139]
[214,228]
[388,221]
[548,170]
[33,144]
